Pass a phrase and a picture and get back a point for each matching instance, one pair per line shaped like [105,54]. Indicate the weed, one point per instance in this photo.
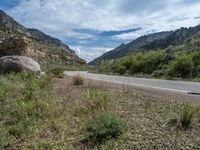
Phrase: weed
[97,101]
[188,111]
[78,80]
[103,127]
[184,118]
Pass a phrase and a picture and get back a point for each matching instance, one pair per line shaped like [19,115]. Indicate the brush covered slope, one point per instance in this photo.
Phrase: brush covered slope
[154,41]
[180,61]
[15,39]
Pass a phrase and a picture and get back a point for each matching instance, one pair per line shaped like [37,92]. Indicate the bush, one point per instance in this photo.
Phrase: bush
[78,80]
[138,63]
[181,67]
[103,127]
[97,101]
[57,72]
[158,73]
[187,113]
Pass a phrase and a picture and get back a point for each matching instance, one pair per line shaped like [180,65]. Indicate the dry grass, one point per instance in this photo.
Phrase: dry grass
[78,80]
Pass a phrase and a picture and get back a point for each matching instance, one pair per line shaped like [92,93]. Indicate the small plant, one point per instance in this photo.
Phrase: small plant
[57,72]
[184,119]
[97,101]
[187,114]
[78,80]
[103,127]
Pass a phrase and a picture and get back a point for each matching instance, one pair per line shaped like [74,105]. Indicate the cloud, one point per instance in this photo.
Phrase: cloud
[89,53]
[142,7]
[92,25]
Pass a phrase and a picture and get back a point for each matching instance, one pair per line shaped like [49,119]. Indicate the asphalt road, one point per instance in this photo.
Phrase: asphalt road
[166,85]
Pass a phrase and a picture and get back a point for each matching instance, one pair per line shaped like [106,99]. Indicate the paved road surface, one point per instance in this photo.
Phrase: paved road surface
[173,86]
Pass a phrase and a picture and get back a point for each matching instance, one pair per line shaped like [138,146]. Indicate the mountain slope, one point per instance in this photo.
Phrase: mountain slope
[177,37]
[8,22]
[44,37]
[124,49]
[48,51]
[157,41]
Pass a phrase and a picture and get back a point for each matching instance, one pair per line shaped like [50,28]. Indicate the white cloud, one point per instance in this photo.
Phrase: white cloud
[90,53]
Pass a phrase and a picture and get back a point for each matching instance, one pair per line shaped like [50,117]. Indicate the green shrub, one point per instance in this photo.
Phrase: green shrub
[78,80]
[103,127]
[196,61]
[181,67]
[57,72]
[187,113]
[97,101]
[196,79]
[158,73]
[170,63]
[137,63]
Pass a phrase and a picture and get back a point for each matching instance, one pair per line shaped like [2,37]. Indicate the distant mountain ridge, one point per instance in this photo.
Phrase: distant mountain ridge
[153,41]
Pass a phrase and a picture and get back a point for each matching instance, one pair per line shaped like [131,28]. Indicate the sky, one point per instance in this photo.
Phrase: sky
[93,27]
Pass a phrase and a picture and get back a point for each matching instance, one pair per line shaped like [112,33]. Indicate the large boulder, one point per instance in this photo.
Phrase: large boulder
[18,64]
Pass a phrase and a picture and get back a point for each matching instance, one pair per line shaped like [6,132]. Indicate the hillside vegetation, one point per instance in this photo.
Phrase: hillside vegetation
[180,61]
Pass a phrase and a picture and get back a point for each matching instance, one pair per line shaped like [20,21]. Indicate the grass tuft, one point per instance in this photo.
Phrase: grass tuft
[184,118]
[188,112]
[78,80]
[103,127]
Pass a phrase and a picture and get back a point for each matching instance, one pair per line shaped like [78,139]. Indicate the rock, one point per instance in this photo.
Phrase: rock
[13,46]
[18,64]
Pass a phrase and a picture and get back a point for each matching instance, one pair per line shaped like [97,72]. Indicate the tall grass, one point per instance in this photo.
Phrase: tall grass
[23,104]
[187,114]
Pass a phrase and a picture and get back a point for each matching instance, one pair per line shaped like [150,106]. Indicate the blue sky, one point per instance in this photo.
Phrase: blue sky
[93,27]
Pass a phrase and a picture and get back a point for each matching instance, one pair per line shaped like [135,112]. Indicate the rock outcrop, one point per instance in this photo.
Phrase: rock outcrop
[13,46]
[18,64]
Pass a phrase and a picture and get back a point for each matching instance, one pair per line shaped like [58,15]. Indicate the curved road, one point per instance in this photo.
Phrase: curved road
[167,85]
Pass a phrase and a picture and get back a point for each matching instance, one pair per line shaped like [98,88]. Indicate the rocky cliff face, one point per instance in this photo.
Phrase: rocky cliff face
[15,39]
